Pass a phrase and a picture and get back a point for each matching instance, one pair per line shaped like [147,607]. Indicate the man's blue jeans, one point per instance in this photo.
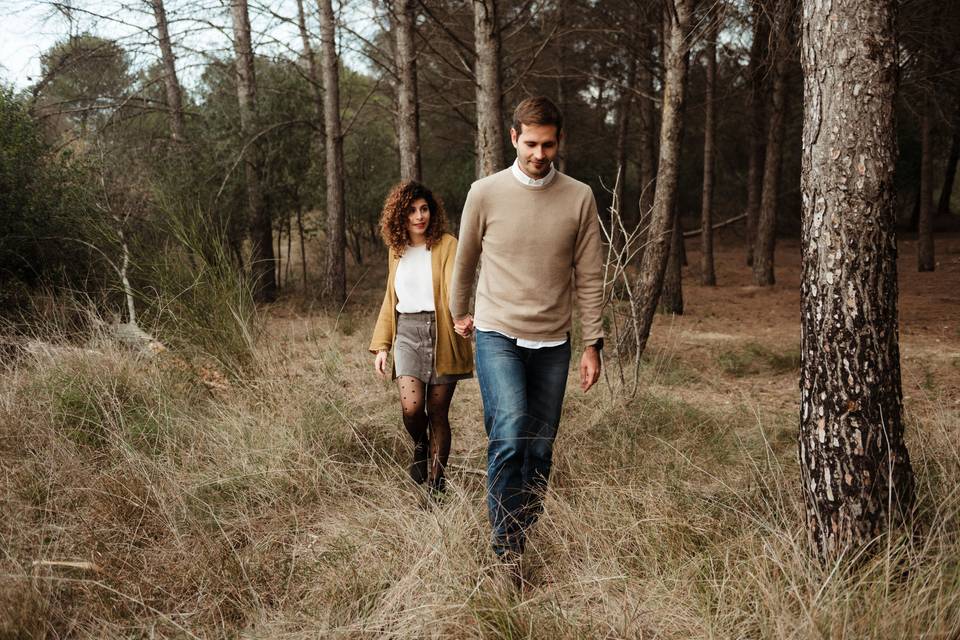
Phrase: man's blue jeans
[522,392]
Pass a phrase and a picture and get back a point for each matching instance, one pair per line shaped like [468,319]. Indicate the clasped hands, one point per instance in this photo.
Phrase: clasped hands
[463,325]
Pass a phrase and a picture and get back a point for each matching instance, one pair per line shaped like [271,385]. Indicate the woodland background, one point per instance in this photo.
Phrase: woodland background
[193,441]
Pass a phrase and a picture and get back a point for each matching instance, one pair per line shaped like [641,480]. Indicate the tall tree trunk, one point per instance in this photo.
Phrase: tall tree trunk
[950,172]
[279,256]
[313,76]
[654,263]
[489,96]
[671,298]
[854,465]
[261,226]
[756,71]
[335,284]
[623,128]
[170,81]
[767,220]
[925,256]
[286,274]
[408,108]
[303,250]
[708,276]
[646,138]
[561,160]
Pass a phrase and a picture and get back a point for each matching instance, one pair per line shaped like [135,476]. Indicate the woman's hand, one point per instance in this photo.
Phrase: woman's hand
[380,364]
[463,326]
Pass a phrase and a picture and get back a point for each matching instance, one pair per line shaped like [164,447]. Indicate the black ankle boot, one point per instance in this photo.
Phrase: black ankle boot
[418,468]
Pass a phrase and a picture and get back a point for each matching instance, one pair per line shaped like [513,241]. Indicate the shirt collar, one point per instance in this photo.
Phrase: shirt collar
[532,182]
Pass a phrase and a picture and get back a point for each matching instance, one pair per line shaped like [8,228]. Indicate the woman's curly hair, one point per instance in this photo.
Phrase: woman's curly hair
[396,208]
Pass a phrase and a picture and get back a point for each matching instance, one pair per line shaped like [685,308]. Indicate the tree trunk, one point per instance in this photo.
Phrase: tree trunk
[756,115]
[623,128]
[561,160]
[925,257]
[303,250]
[313,75]
[489,118]
[855,468]
[646,139]
[335,282]
[279,260]
[654,263]
[708,276]
[408,108]
[261,226]
[950,173]
[286,274]
[671,298]
[170,81]
[767,219]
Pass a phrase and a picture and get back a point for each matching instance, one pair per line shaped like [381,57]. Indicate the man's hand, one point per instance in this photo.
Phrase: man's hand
[380,364]
[463,325]
[589,368]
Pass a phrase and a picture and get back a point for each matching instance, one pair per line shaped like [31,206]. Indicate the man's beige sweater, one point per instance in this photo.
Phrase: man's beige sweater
[540,248]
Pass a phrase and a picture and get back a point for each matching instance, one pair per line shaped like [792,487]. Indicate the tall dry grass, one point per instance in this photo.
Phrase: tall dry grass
[279,508]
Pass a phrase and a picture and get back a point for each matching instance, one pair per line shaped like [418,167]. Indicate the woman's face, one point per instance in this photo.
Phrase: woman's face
[418,219]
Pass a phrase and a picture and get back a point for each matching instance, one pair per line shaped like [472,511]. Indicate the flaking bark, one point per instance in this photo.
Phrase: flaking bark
[854,466]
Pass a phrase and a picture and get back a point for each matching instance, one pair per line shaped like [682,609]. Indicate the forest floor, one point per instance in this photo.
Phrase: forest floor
[277,506]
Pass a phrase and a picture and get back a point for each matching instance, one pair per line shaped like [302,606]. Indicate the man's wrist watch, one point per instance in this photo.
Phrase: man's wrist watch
[598,345]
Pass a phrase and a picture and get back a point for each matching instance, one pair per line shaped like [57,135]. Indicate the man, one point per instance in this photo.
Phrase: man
[538,233]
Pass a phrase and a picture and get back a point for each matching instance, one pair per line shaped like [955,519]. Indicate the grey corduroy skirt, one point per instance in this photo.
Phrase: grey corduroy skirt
[413,351]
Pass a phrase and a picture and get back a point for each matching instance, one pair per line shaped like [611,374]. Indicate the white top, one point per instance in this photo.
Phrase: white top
[413,281]
[530,182]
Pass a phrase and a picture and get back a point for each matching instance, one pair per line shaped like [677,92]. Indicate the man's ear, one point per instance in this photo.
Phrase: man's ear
[513,137]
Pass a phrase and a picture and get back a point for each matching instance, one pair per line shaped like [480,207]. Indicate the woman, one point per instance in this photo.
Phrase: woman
[428,356]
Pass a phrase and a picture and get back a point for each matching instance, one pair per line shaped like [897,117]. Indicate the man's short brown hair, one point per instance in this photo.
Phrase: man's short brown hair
[539,110]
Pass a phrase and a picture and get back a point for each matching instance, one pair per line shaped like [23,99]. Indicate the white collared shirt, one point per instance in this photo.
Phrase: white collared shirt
[532,182]
[538,183]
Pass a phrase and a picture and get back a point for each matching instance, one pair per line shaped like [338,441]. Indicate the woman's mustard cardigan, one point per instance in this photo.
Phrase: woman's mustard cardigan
[453,354]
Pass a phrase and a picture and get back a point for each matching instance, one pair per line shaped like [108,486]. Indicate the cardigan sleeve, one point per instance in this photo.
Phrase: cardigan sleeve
[383,331]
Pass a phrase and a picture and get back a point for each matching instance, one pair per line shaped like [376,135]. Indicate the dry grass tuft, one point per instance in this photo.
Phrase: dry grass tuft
[278,507]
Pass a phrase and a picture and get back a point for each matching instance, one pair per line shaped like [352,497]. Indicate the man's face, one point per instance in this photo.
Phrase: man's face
[536,146]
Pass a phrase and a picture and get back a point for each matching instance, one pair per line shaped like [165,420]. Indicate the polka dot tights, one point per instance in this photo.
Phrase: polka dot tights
[427,408]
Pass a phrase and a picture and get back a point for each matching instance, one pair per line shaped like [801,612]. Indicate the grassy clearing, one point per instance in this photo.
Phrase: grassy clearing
[278,508]
[753,358]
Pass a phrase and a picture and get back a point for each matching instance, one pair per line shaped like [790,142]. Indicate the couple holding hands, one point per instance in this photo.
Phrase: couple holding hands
[538,234]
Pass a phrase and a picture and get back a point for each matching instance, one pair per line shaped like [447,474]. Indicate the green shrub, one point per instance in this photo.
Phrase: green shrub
[47,215]
[196,295]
